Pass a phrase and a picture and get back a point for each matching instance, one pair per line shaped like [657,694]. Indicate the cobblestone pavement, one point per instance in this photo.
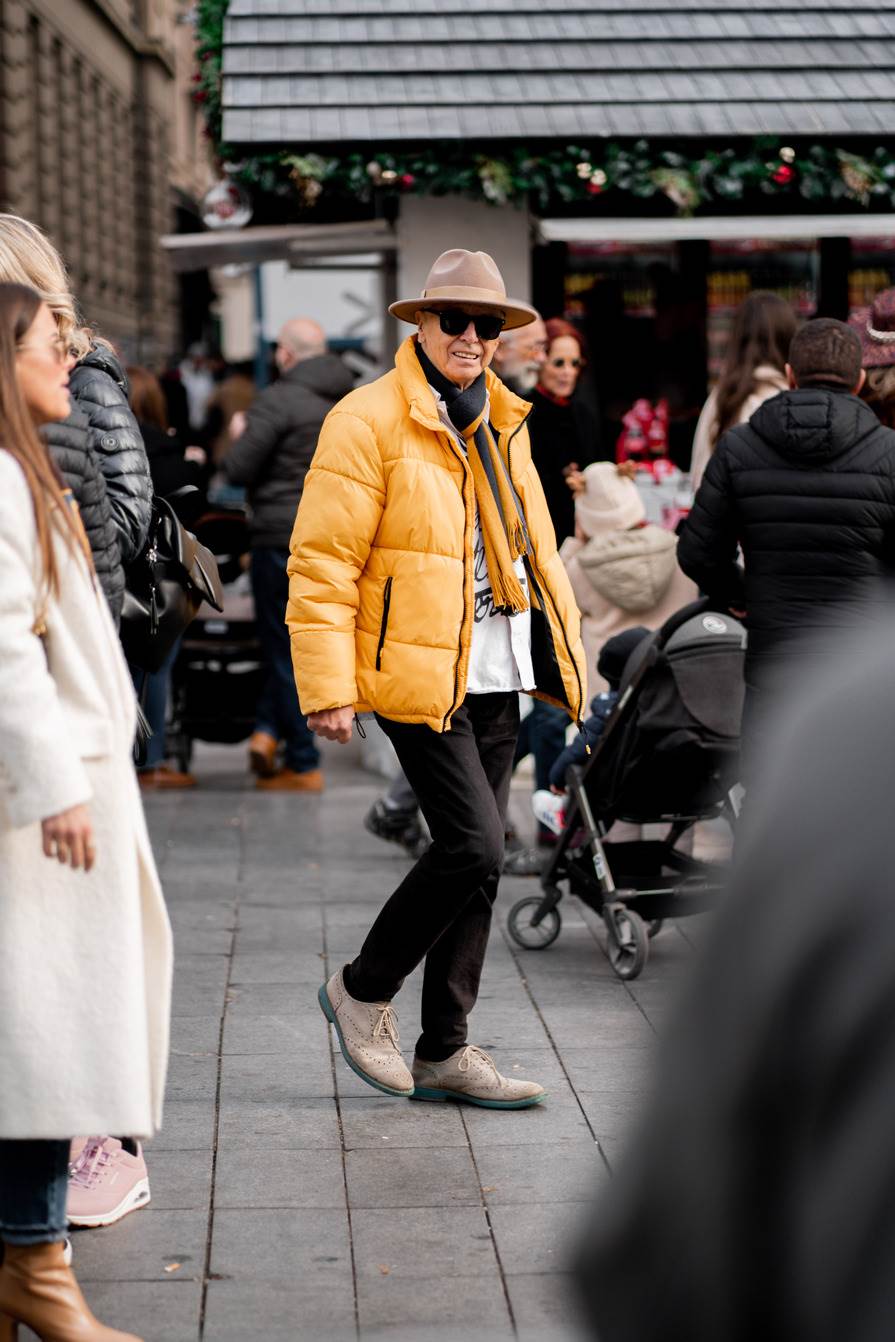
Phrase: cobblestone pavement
[291,1201]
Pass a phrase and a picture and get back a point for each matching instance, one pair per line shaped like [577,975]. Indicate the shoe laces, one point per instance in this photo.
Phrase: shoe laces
[90,1166]
[387,1024]
[472,1053]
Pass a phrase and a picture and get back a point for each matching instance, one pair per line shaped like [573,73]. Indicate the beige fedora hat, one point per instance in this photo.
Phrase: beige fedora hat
[459,277]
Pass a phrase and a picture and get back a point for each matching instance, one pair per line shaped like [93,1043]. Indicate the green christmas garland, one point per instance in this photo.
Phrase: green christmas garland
[814,173]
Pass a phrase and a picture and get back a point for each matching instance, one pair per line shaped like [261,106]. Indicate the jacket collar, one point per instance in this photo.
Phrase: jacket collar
[507,410]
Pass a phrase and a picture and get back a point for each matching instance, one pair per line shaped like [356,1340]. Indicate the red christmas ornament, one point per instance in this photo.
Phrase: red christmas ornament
[594,189]
[408,180]
[784,175]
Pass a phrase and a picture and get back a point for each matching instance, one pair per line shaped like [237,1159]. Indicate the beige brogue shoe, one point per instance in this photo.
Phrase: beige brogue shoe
[471,1076]
[368,1037]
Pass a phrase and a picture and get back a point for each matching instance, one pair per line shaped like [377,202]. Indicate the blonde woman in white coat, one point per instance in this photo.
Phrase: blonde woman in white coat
[753,372]
[84,936]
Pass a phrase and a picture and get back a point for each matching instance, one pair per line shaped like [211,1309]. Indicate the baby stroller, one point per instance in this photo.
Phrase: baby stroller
[217,677]
[669,753]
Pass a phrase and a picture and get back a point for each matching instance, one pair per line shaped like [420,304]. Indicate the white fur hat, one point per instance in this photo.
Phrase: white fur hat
[610,502]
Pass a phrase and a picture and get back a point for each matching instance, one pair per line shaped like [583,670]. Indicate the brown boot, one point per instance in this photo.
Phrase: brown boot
[38,1290]
[263,754]
[287,780]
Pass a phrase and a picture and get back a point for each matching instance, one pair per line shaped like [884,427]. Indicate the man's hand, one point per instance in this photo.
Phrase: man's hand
[68,837]
[237,425]
[333,723]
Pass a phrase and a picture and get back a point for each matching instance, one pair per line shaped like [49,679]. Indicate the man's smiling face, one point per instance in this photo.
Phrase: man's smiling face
[460,358]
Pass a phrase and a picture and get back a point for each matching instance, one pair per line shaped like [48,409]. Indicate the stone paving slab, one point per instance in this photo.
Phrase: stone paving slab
[290,1200]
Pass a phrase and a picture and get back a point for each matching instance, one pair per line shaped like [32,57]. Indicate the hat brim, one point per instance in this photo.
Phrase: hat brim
[515,313]
[874,353]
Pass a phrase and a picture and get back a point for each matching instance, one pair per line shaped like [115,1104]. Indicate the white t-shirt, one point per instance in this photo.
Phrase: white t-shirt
[500,651]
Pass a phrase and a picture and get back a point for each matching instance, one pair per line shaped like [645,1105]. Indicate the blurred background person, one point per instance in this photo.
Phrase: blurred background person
[271,456]
[754,370]
[520,356]
[565,435]
[806,491]
[85,943]
[875,326]
[756,1199]
[227,406]
[171,471]
[623,569]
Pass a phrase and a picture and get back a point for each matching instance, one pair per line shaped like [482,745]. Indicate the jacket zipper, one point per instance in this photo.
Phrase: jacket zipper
[386,603]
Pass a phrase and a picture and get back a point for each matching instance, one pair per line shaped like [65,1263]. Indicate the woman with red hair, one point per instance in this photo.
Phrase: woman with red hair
[565,436]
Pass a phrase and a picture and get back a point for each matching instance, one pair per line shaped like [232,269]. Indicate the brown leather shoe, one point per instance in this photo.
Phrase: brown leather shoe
[39,1291]
[263,754]
[163,777]
[287,780]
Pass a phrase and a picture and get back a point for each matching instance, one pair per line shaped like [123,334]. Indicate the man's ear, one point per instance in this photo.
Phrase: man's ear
[790,376]
[861,380]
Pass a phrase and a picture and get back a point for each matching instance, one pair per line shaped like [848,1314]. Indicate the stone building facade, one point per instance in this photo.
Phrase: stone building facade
[101,145]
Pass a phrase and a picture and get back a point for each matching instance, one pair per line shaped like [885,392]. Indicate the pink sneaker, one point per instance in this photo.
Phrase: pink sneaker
[105,1183]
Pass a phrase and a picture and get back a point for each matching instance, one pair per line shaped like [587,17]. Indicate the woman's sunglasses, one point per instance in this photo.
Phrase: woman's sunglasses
[454,321]
[565,363]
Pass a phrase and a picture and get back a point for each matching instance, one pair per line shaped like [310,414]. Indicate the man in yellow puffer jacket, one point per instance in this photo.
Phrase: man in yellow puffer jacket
[425,586]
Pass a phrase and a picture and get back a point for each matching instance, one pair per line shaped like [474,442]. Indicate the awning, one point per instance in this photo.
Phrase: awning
[277,242]
[717,228]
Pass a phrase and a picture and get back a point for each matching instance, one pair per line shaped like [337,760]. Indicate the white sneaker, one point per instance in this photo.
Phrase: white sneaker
[368,1037]
[471,1076]
[550,810]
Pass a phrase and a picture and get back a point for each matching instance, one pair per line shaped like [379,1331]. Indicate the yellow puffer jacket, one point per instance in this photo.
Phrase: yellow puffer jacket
[380,576]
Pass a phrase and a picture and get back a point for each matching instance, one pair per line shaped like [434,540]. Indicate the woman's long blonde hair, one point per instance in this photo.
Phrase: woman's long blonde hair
[28,257]
[19,306]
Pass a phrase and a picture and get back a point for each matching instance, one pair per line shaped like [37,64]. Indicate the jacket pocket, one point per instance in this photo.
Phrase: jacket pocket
[386,605]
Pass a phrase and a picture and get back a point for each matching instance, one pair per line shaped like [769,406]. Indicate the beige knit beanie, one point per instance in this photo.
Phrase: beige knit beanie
[609,502]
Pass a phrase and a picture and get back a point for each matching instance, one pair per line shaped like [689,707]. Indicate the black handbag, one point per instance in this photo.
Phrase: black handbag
[165,586]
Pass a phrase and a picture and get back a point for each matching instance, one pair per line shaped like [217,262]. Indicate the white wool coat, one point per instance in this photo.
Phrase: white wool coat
[85,960]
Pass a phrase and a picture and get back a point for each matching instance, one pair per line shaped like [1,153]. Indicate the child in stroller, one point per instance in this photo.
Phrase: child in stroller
[549,807]
[668,753]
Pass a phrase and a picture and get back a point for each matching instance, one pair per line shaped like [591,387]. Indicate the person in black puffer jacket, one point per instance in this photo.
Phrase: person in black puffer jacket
[104,426]
[69,444]
[271,454]
[807,490]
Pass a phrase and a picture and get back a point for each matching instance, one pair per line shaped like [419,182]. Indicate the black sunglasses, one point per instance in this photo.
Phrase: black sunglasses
[561,363]
[454,321]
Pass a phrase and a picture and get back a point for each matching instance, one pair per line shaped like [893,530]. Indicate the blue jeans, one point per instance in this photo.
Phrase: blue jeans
[152,691]
[543,735]
[33,1191]
[278,712]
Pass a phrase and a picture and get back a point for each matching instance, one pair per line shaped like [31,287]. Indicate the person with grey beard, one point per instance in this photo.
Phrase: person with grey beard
[520,356]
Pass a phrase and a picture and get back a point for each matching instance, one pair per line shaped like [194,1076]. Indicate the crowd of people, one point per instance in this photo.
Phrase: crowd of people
[428,549]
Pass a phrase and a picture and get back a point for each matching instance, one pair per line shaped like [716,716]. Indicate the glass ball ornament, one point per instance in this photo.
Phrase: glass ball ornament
[226,205]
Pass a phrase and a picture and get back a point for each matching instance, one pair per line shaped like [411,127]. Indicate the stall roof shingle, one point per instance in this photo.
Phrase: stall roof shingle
[319,72]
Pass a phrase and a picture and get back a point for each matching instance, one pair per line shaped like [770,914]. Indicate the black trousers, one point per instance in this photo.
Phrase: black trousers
[441,911]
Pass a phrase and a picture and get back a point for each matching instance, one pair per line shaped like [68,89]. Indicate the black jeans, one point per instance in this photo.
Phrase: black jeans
[278,711]
[33,1191]
[441,911]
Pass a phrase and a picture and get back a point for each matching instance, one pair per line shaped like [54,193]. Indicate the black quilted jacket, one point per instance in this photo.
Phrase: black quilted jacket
[69,444]
[807,489]
[99,389]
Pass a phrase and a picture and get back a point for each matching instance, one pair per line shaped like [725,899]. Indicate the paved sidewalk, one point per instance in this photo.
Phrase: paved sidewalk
[291,1201]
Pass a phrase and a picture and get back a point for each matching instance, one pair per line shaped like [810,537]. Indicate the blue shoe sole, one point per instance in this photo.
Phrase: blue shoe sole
[327,1008]
[430,1093]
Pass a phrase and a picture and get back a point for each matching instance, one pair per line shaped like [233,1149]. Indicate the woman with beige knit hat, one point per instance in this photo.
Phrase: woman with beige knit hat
[623,570]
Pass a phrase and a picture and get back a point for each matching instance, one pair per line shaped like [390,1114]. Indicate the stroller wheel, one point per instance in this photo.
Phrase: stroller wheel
[654,927]
[524,933]
[628,945]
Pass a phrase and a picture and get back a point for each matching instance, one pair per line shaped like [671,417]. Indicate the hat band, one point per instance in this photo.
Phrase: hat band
[882,337]
[461,294]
